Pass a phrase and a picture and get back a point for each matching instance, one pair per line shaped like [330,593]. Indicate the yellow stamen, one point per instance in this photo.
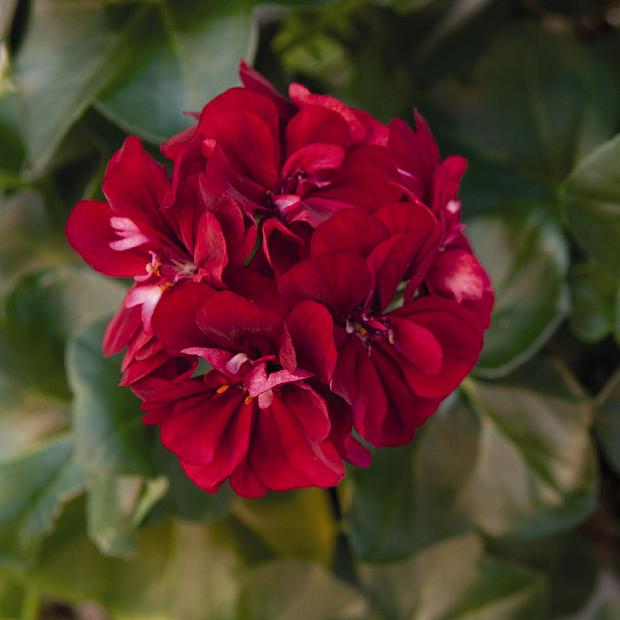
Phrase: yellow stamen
[248,400]
[362,331]
[222,389]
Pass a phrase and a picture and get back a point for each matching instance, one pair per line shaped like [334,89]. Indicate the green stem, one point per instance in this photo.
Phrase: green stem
[31,607]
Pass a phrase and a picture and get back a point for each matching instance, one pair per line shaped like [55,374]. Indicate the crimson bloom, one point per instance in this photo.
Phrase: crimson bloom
[256,418]
[133,235]
[394,365]
[313,259]
[291,164]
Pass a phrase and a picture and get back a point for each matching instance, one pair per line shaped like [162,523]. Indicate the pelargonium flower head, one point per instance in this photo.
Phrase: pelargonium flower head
[293,164]
[314,260]
[257,418]
[394,365]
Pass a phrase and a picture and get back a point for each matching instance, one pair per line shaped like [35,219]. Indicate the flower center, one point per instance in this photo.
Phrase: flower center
[370,329]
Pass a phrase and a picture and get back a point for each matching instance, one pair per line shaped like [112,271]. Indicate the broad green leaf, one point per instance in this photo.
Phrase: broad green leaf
[536,469]
[609,610]
[41,312]
[27,417]
[29,238]
[293,589]
[454,580]
[67,56]
[298,523]
[180,55]
[594,295]
[526,257]
[12,151]
[116,505]
[539,107]
[109,434]
[408,497]
[607,421]
[180,571]
[33,486]
[592,205]
[7,9]
[568,562]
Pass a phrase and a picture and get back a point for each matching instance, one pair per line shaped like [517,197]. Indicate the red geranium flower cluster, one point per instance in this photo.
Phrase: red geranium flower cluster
[313,258]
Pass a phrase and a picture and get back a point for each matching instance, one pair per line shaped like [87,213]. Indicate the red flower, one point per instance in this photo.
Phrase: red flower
[133,235]
[456,273]
[292,164]
[394,365]
[257,417]
[313,258]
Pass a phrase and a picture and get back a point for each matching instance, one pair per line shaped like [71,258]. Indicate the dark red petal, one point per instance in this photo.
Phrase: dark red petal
[311,330]
[237,100]
[309,409]
[210,253]
[245,482]
[194,429]
[89,233]
[415,154]
[315,124]
[417,344]
[457,274]
[447,181]
[364,180]
[299,461]
[352,229]
[282,247]
[248,140]
[235,324]
[301,96]
[231,451]
[459,335]
[314,158]
[357,381]
[406,410]
[256,82]
[338,279]
[136,187]
[121,329]
[174,322]
[341,432]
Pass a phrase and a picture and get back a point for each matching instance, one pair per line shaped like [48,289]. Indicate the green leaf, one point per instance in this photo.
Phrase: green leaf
[568,563]
[11,597]
[29,238]
[33,486]
[7,9]
[67,56]
[609,610]
[526,257]
[297,523]
[301,590]
[536,469]
[109,434]
[180,570]
[115,508]
[592,205]
[594,295]
[12,152]
[538,107]
[41,312]
[408,497]
[607,421]
[178,57]
[454,579]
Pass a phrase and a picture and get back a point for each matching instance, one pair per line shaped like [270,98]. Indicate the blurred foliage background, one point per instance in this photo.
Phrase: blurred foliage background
[506,506]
